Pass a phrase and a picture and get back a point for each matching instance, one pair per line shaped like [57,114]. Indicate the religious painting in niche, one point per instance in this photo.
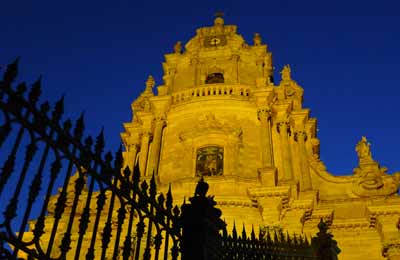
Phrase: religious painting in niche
[210,161]
[215,78]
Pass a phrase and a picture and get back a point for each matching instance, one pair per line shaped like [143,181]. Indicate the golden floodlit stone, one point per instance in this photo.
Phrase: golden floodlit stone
[220,114]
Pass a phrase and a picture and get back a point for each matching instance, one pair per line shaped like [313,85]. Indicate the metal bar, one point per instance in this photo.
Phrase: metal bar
[61,204]
[35,185]
[107,227]
[85,217]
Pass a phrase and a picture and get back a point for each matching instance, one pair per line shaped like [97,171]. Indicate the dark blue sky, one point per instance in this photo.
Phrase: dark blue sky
[345,54]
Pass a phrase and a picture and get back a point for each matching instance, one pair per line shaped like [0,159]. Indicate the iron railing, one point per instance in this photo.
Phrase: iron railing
[102,211]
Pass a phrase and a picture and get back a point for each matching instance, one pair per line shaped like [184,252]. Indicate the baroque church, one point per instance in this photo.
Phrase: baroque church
[221,115]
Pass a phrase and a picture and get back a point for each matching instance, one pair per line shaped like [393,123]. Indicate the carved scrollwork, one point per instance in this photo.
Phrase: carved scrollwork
[372,180]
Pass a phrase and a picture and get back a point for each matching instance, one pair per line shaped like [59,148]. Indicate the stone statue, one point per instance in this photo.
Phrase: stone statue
[286,73]
[178,47]
[257,39]
[363,150]
[150,84]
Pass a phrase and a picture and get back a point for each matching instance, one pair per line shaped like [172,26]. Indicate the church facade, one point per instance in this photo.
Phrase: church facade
[220,114]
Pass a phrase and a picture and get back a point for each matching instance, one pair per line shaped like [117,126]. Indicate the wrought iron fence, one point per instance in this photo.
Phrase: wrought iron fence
[279,246]
[63,197]
[101,211]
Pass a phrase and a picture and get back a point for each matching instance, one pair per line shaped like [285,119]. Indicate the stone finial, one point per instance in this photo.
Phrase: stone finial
[178,47]
[286,73]
[150,83]
[363,150]
[257,40]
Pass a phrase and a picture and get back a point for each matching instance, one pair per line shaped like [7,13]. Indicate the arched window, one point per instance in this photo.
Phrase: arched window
[215,78]
[210,161]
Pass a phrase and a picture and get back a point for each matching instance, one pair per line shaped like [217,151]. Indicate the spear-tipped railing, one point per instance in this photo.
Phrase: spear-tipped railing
[101,211]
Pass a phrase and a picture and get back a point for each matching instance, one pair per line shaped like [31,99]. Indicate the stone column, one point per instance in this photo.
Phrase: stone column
[264,117]
[286,158]
[154,158]
[300,137]
[144,150]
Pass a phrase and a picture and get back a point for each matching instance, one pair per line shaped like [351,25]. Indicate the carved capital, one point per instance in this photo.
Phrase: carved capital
[235,57]
[133,147]
[160,119]
[300,135]
[283,127]
[264,114]
[391,250]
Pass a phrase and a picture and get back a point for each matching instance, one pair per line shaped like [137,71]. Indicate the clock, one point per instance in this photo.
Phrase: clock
[214,41]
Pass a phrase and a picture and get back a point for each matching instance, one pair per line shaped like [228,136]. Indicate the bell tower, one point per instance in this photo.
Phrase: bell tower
[219,114]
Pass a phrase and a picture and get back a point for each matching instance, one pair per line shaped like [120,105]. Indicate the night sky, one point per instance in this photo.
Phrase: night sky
[345,54]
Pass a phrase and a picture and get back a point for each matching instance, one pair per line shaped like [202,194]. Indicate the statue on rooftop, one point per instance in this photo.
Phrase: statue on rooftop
[363,150]
[286,73]
[178,47]
[257,39]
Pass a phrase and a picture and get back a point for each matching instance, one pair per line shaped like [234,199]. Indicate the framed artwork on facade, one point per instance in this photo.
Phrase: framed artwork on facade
[210,161]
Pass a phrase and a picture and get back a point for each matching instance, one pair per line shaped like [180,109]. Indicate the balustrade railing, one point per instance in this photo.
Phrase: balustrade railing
[239,91]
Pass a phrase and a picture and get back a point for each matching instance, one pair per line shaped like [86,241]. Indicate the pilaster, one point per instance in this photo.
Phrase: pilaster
[160,105]
[144,150]
[283,129]
[298,121]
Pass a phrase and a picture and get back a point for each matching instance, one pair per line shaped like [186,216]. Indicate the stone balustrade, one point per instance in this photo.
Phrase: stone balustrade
[240,91]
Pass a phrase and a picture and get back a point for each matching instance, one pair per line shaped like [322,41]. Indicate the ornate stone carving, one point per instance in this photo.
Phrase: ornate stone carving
[142,103]
[391,249]
[178,48]
[264,113]
[283,127]
[364,151]
[300,134]
[291,90]
[257,40]
[371,179]
[208,124]
[286,74]
[150,84]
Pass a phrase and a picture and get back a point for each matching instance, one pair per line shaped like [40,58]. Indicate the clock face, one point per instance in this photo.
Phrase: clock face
[214,41]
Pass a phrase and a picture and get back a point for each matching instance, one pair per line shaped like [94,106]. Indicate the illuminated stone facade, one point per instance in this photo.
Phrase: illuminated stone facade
[220,113]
